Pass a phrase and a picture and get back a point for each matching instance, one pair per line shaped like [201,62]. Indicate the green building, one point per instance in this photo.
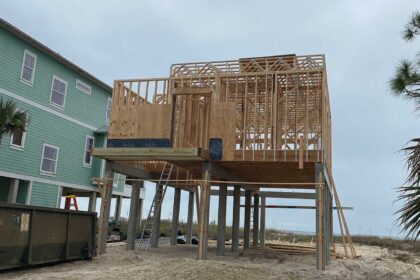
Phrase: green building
[67,111]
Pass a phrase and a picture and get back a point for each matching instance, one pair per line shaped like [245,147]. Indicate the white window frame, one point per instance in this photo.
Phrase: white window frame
[82,89]
[23,65]
[17,147]
[42,158]
[108,101]
[51,92]
[85,150]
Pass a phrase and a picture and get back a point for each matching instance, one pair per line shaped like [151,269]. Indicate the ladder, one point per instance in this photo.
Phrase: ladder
[154,212]
[68,203]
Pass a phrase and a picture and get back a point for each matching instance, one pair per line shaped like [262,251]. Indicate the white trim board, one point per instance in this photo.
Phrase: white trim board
[46,181]
[46,109]
[51,182]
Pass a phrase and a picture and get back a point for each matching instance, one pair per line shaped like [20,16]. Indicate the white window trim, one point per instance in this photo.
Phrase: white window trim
[106,111]
[17,147]
[42,157]
[84,151]
[23,64]
[86,85]
[51,92]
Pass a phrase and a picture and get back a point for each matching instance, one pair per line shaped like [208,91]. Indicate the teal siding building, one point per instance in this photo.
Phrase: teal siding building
[67,111]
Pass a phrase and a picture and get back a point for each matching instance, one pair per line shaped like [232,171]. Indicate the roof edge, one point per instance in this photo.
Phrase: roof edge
[25,37]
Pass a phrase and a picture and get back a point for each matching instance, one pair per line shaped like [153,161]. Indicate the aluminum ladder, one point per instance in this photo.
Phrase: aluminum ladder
[150,224]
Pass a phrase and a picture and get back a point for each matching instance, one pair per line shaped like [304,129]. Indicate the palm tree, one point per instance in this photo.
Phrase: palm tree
[406,84]
[11,120]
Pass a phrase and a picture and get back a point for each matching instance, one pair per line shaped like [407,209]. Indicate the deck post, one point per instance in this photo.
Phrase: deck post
[247,218]
[105,207]
[256,222]
[13,190]
[236,218]
[175,216]
[204,215]
[133,216]
[118,204]
[140,211]
[92,202]
[320,217]
[262,222]
[221,220]
[156,227]
[190,217]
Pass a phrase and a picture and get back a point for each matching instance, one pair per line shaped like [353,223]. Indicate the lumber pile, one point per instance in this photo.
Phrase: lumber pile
[294,249]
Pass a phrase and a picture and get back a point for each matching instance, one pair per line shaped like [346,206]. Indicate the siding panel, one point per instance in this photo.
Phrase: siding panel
[44,194]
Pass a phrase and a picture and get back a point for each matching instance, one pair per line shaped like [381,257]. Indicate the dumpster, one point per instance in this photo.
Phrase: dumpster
[32,235]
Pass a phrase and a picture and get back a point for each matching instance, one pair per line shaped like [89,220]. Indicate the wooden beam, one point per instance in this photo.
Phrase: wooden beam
[298,207]
[192,91]
[149,154]
[271,194]
[131,171]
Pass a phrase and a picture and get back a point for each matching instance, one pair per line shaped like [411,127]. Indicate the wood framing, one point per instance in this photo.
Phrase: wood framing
[259,122]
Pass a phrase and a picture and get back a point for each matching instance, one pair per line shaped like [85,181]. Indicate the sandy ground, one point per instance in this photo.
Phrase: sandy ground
[180,263]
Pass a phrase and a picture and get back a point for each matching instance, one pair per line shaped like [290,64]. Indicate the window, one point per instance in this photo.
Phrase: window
[108,108]
[83,87]
[58,91]
[28,67]
[18,138]
[87,156]
[49,159]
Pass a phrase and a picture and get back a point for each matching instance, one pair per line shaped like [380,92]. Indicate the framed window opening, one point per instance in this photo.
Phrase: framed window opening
[17,139]
[108,108]
[87,155]
[27,73]
[49,159]
[58,92]
[82,86]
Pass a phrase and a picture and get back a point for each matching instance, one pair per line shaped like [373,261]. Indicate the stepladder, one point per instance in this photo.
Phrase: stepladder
[68,203]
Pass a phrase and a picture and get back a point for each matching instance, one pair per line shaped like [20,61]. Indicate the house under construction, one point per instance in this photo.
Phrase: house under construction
[251,123]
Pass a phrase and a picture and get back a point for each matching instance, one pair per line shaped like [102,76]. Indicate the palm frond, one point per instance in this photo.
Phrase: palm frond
[409,214]
[11,120]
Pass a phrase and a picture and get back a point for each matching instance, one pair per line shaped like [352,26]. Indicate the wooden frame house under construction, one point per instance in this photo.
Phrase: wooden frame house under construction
[252,123]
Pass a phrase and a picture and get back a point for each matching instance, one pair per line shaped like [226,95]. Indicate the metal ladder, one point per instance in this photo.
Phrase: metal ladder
[155,208]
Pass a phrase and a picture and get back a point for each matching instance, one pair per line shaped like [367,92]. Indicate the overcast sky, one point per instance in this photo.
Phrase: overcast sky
[360,39]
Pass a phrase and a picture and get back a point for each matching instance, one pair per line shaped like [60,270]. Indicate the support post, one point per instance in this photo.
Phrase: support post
[175,216]
[140,213]
[221,220]
[262,222]
[133,216]
[105,207]
[156,228]
[236,218]
[92,202]
[118,204]
[190,217]
[13,190]
[320,212]
[256,222]
[247,218]
[204,216]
